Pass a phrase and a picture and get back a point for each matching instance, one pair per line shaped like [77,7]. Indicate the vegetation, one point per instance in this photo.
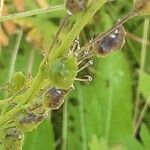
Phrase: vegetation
[74,75]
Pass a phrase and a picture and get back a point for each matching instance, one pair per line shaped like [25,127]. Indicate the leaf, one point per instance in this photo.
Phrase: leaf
[132,144]
[102,108]
[41,138]
[96,144]
[145,137]
[145,84]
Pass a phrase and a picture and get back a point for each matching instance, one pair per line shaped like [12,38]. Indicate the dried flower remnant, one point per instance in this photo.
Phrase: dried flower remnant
[142,7]
[13,139]
[111,42]
[54,98]
[26,121]
[75,6]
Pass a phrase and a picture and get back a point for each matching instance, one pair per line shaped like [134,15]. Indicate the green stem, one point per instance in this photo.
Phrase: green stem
[64,127]
[31,13]
[14,55]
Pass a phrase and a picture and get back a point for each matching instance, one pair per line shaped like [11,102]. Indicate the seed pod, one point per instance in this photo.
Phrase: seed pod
[26,122]
[17,82]
[62,72]
[75,6]
[37,107]
[111,42]
[13,139]
[54,98]
[142,7]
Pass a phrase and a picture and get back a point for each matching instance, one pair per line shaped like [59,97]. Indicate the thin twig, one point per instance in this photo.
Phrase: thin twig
[14,56]
[82,122]
[141,116]
[142,62]
[120,22]
[31,13]
[64,127]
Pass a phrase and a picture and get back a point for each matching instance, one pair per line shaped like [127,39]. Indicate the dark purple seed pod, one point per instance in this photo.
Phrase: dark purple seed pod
[13,139]
[54,98]
[28,121]
[75,6]
[111,42]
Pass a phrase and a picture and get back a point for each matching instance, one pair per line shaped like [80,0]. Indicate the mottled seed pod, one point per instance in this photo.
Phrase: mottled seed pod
[111,42]
[142,7]
[26,121]
[54,98]
[37,107]
[62,72]
[17,82]
[13,139]
[75,6]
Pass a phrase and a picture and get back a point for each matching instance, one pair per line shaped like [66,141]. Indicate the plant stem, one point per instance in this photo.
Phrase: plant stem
[141,116]
[120,22]
[136,38]
[31,13]
[13,58]
[142,62]
[82,122]
[14,54]
[64,127]
[109,113]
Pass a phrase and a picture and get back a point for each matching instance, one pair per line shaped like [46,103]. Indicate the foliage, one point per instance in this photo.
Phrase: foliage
[41,60]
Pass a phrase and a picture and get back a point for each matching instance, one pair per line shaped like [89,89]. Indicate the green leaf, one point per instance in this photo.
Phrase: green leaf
[96,144]
[102,108]
[145,84]
[145,137]
[41,138]
[132,144]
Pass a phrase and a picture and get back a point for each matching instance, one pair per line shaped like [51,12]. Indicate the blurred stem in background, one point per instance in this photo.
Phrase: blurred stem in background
[136,123]
[13,61]
[31,61]
[1,9]
[32,12]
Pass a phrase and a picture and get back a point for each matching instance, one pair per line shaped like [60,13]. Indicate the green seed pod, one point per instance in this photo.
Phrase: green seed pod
[13,139]
[36,106]
[54,98]
[75,6]
[142,7]
[62,72]
[17,82]
[26,122]
[111,42]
